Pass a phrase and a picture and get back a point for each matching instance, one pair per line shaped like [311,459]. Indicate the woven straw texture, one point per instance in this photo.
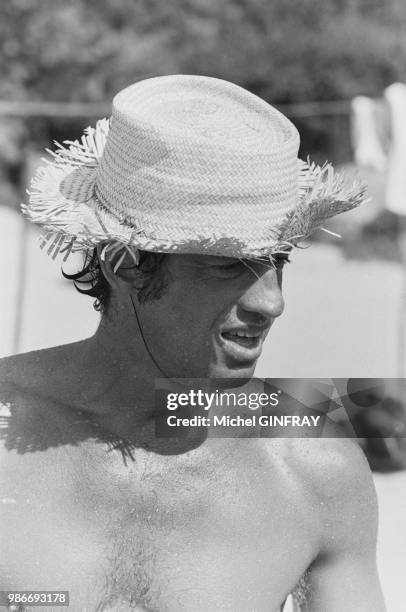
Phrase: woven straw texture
[186,164]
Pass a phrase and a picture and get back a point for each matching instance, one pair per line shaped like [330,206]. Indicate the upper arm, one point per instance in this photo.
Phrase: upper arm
[344,576]
[344,583]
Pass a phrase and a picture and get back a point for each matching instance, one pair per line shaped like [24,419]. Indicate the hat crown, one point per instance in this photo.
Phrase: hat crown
[207,110]
[193,148]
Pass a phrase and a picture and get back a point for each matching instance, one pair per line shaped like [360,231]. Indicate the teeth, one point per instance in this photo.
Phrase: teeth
[243,334]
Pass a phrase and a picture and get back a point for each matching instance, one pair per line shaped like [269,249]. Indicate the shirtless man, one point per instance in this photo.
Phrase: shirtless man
[93,502]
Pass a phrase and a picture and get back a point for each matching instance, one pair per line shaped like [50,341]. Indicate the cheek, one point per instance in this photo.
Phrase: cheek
[198,305]
[178,329]
[177,313]
[191,307]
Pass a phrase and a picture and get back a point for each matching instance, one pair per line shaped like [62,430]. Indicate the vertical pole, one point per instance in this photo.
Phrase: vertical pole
[22,259]
[402,305]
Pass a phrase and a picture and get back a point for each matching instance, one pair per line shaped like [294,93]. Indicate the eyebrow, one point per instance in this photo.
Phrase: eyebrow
[215,259]
[281,255]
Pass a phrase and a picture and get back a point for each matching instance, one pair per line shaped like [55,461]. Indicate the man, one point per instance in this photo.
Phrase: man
[186,206]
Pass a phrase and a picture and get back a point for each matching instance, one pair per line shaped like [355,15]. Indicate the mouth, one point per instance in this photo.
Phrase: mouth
[243,345]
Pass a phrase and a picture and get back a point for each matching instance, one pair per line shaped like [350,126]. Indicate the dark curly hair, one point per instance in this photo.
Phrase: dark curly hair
[151,280]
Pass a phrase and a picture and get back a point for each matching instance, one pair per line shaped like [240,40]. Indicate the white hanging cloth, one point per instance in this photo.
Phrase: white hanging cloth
[366,141]
[395,196]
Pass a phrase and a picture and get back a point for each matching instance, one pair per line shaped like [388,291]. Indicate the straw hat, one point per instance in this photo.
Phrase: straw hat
[186,164]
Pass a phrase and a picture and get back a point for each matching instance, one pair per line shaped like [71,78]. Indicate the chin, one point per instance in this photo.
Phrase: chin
[245,371]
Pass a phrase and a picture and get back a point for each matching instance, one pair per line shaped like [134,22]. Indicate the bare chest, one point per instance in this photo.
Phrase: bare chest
[197,532]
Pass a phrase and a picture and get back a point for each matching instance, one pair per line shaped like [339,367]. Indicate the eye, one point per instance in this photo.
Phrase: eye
[230,267]
[281,260]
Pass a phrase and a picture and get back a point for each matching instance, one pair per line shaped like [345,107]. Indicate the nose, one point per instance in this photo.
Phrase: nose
[263,298]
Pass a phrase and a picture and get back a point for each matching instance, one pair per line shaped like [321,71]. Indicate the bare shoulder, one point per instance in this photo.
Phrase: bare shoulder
[24,379]
[29,370]
[332,466]
[17,374]
[41,374]
[12,367]
[336,485]
[31,417]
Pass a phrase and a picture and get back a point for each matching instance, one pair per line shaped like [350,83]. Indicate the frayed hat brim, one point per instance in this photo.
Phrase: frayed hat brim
[63,199]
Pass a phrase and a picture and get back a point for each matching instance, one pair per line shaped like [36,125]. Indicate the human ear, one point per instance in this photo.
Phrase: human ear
[118,265]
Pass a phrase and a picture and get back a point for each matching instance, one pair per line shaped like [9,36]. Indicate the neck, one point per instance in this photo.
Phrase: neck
[119,370]
[119,388]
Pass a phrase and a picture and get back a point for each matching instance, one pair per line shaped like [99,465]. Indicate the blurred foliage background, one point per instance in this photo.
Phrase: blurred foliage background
[286,51]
